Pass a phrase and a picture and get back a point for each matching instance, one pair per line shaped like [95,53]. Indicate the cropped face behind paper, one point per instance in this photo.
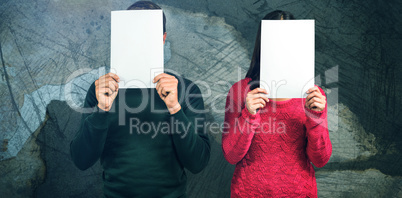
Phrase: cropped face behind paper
[136,47]
[287,57]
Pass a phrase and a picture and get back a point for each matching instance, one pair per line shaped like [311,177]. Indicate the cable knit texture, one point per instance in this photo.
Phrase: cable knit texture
[273,149]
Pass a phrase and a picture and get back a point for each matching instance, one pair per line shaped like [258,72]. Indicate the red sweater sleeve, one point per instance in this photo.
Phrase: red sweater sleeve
[319,147]
[239,125]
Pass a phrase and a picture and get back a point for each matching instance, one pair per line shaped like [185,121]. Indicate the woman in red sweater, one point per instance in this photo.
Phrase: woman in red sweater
[274,141]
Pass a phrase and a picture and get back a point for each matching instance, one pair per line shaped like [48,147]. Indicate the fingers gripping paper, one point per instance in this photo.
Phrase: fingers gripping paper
[287,57]
[136,47]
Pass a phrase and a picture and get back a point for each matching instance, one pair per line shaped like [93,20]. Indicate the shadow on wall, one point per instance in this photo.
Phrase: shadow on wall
[62,178]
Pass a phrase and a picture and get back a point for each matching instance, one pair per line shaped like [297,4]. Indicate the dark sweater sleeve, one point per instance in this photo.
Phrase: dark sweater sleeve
[319,147]
[189,134]
[87,145]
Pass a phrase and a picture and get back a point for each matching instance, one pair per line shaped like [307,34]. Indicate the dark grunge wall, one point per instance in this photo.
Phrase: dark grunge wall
[51,50]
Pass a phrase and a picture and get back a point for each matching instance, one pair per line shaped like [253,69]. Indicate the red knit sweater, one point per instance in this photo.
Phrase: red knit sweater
[273,149]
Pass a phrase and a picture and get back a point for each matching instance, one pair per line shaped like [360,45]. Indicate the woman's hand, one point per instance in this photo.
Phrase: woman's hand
[315,100]
[256,99]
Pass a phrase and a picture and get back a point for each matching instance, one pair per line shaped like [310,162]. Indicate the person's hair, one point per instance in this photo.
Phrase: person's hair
[147,5]
[254,70]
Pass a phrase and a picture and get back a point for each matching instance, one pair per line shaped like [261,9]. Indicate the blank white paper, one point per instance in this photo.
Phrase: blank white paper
[136,46]
[287,57]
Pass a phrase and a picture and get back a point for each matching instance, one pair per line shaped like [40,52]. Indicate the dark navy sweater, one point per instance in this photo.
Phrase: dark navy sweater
[142,148]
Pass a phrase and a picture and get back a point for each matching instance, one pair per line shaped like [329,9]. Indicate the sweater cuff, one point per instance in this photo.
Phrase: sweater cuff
[99,118]
[315,114]
[250,118]
[180,115]
[315,118]
[182,124]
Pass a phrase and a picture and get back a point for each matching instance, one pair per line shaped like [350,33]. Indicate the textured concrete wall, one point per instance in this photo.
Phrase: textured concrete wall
[52,50]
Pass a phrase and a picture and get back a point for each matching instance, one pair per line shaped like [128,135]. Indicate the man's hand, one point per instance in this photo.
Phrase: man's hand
[315,100]
[167,89]
[106,89]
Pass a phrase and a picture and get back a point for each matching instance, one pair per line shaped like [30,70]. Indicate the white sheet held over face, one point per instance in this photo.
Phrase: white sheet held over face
[136,47]
[287,57]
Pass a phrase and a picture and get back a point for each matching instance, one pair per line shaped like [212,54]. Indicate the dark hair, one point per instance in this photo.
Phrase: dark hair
[254,70]
[147,5]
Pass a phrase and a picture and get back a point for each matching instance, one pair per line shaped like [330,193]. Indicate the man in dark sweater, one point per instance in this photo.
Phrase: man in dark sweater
[143,137]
